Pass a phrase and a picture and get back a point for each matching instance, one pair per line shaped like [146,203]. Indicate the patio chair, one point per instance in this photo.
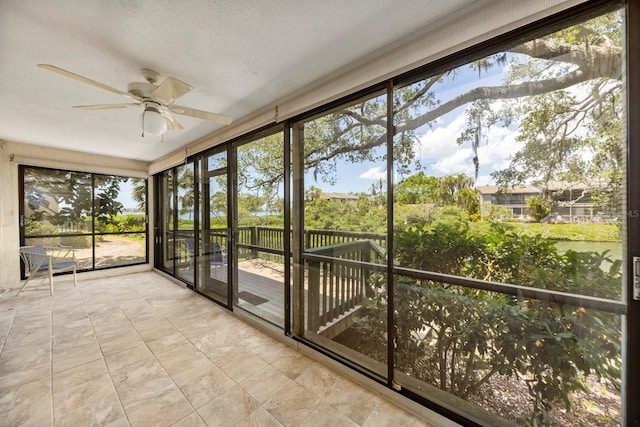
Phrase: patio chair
[217,258]
[45,261]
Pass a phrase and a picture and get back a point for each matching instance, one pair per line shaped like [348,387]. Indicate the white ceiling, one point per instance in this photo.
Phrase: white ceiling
[240,56]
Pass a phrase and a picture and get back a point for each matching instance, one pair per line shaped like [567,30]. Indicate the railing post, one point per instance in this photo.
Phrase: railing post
[254,241]
[364,286]
[313,296]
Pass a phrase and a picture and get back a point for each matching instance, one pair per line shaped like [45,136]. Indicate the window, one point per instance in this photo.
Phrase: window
[345,224]
[481,340]
[103,217]
[471,254]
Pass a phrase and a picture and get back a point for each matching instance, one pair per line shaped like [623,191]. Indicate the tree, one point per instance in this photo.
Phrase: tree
[62,197]
[450,190]
[538,208]
[139,194]
[417,188]
[555,87]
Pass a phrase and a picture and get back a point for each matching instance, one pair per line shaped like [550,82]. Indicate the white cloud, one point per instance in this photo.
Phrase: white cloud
[438,150]
[374,174]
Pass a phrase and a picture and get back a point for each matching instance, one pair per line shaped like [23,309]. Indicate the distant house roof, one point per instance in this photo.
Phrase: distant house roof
[566,185]
[516,189]
[338,196]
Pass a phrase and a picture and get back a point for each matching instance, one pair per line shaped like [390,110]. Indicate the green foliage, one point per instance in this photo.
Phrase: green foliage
[499,213]
[124,223]
[418,188]
[364,214]
[458,338]
[538,208]
[446,190]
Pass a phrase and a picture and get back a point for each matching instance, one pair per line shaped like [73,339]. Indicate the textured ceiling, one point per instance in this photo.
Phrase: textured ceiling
[240,56]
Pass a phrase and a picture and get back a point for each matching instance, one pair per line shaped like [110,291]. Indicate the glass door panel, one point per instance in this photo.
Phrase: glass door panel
[184,238]
[213,263]
[259,245]
[165,245]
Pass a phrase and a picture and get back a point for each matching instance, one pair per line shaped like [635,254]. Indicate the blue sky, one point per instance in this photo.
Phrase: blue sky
[436,148]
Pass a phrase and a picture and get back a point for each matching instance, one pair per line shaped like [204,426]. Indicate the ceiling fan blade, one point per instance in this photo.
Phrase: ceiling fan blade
[170,90]
[106,106]
[199,114]
[172,124]
[84,79]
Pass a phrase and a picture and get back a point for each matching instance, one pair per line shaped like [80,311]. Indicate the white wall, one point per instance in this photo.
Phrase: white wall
[13,154]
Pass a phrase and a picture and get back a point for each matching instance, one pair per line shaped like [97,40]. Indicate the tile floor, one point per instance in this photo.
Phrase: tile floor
[141,350]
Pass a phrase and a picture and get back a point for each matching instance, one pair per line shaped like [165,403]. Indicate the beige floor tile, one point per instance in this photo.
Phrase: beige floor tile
[386,414]
[23,376]
[326,416]
[79,375]
[352,400]
[228,409]
[293,365]
[129,356]
[242,365]
[115,343]
[19,398]
[292,404]
[141,350]
[211,341]
[184,363]
[15,358]
[94,402]
[209,385]
[265,383]
[35,413]
[75,353]
[167,342]
[259,418]
[191,420]
[143,370]
[145,392]
[318,380]
[164,409]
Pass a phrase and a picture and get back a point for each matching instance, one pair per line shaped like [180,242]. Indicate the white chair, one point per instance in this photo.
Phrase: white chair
[45,260]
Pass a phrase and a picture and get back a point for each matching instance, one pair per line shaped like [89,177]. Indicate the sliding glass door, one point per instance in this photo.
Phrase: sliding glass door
[213,243]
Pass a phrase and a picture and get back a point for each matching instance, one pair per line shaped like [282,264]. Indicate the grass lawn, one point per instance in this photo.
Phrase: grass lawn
[595,232]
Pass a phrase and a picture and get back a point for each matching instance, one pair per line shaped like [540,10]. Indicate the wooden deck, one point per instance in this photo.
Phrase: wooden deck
[261,292]
[265,283]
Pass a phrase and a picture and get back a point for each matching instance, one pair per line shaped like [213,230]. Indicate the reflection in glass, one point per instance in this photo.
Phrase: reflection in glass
[260,213]
[513,178]
[345,221]
[184,237]
[88,212]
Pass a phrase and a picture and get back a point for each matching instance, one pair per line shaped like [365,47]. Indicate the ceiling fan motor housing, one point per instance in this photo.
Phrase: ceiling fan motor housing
[141,89]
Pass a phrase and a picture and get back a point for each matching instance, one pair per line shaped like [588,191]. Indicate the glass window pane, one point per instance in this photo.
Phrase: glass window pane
[510,170]
[185,246]
[82,209]
[260,212]
[120,249]
[345,211]
[56,202]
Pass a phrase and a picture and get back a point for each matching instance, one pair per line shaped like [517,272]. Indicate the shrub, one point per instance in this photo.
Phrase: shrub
[457,338]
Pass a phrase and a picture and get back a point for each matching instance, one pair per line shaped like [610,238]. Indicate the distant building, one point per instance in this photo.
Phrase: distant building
[572,201]
[513,198]
[338,196]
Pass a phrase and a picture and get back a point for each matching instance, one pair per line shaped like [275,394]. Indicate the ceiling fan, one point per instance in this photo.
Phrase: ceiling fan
[156,99]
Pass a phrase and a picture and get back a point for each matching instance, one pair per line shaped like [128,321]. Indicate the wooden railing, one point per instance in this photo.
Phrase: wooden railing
[252,238]
[339,279]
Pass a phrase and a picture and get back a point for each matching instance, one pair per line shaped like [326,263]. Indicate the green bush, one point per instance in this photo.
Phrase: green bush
[458,338]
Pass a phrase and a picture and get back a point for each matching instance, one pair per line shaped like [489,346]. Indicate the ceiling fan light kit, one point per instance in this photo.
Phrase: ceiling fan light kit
[157,100]
[153,123]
